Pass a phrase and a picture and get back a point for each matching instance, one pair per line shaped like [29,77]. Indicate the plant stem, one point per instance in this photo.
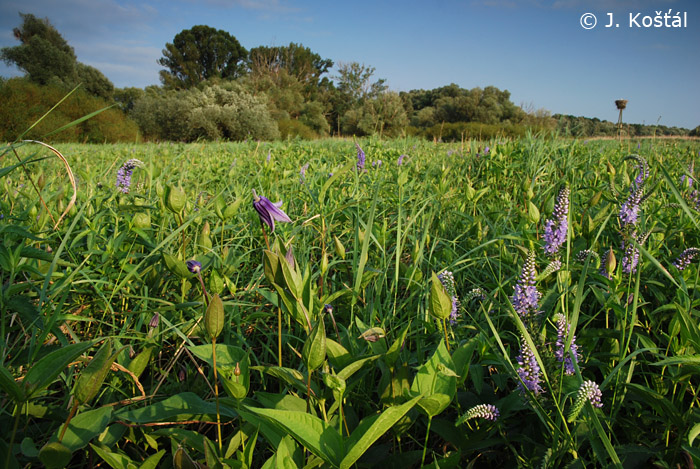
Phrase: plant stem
[425,444]
[14,433]
[279,335]
[216,393]
[444,328]
[70,417]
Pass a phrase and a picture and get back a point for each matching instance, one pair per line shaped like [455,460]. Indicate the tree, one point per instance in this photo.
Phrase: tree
[47,58]
[384,115]
[199,54]
[354,81]
[43,53]
[297,60]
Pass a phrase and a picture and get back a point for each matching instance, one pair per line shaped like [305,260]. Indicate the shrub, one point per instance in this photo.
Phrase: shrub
[25,102]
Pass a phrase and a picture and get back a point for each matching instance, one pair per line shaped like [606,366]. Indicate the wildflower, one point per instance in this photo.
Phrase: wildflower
[302,173]
[194,266]
[526,298]
[629,211]
[269,212]
[561,355]
[153,323]
[400,162]
[631,256]
[589,391]
[124,174]
[685,258]
[377,163]
[691,170]
[529,369]
[448,281]
[360,158]
[584,254]
[269,155]
[486,151]
[484,411]
[328,309]
[476,293]
[555,229]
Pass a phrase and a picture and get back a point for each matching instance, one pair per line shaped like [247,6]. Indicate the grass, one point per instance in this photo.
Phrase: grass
[386,379]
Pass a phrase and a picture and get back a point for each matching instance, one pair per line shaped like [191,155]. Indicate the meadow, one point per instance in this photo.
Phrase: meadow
[509,303]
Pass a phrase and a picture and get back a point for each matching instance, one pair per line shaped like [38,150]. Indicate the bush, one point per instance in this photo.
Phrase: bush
[290,128]
[213,113]
[25,102]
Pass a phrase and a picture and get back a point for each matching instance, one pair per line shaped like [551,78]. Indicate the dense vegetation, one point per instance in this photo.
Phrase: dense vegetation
[215,89]
[510,303]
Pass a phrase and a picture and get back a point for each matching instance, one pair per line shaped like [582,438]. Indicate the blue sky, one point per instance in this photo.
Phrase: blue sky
[536,49]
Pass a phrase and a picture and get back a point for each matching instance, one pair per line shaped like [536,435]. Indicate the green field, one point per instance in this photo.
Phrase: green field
[109,341]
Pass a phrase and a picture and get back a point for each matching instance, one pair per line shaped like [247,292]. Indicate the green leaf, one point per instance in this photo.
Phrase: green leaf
[693,433]
[392,354]
[176,266]
[440,301]
[314,351]
[313,433]
[115,460]
[432,382]
[8,384]
[227,356]
[46,369]
[681,360]
[337,354]
[371,429]
[92,376]
[355,366]
[84,427]
[183,406]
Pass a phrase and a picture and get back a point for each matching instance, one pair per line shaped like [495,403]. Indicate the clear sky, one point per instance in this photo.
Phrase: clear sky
[536,49]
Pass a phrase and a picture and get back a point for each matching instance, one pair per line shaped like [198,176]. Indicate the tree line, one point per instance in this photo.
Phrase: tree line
[213,88]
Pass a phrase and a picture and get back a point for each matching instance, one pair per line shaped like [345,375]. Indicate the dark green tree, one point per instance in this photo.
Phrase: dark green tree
[201,53]
[43,53]
[94,81]
[297,60]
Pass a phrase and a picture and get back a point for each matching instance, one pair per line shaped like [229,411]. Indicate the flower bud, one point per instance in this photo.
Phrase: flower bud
[339,248]
[214,317]
[176,199]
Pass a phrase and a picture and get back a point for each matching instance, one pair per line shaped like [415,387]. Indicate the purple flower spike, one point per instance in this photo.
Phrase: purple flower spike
[560,353]
[555,229]
[629,211]
[484,411]
[528,370]
[269,212]
[401,159]
[685,258]
[124,174]
[526,298]
[360,158]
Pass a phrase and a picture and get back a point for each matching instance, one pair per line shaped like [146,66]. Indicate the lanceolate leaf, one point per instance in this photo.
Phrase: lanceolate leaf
[316,435]
[46,369]
[371,429]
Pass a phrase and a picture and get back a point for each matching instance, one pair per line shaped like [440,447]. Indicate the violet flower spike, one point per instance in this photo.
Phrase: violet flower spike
[360,158]
[124,174]
[269,212]
[556,228]
[685,258]
[484,411]
[528,370]
[563,330]
[526,298]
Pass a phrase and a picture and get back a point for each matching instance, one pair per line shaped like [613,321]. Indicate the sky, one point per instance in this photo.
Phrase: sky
[538,50]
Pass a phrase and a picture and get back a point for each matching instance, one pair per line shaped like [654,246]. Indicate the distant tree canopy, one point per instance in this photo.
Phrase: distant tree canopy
[201,53]
[297,60]
[47,58]
[214,89]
